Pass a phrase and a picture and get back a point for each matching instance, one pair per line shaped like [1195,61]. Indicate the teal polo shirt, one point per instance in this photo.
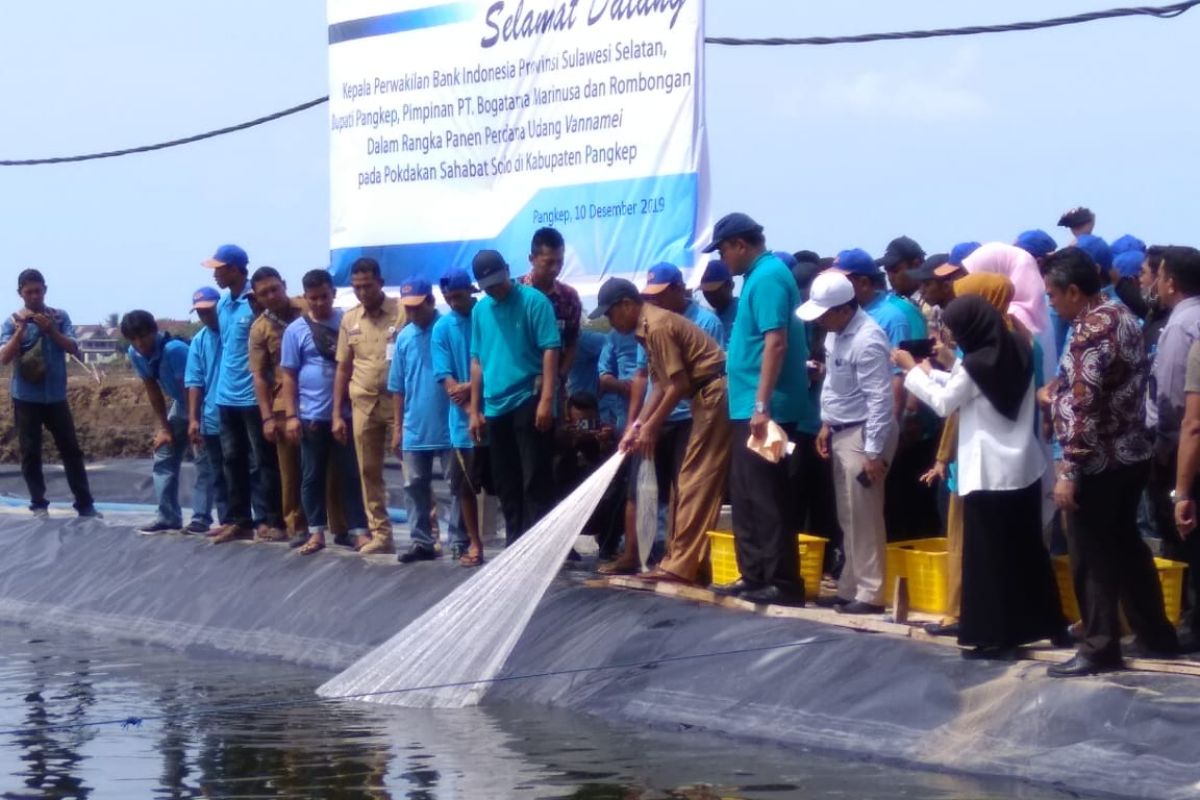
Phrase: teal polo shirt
[508,339]
[768,303]
[918,328]
[235,384]
[426,424]
[203,371]
[451,345]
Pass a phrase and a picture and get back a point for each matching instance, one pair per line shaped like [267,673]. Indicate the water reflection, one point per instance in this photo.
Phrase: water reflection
[349,751]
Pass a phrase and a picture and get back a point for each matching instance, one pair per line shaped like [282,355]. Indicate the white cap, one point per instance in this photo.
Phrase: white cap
[829,290]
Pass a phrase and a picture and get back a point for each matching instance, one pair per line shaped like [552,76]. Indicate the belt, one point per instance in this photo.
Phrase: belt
[700,386]
[846,426]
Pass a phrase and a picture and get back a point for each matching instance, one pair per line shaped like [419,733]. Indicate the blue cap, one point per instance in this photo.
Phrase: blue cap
[856,262]
[457,280]
[205,297]
[787,258]
[227,255]
[490,268]
[716,275]
[960,251]
[732,225]
[1127,243]
[1037,243]
[661,276]
[414,292]
[1129,263]
[613,291]
[1097,248]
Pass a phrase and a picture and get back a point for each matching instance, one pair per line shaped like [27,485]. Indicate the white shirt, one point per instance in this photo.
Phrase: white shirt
[858,381]
[994,452]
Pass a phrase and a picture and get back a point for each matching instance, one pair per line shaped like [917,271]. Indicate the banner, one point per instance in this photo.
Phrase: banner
[469,125]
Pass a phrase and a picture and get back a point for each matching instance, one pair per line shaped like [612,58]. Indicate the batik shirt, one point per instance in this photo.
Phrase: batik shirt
[568,310]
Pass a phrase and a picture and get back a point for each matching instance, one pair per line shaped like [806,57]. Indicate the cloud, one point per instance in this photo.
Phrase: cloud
[896,94]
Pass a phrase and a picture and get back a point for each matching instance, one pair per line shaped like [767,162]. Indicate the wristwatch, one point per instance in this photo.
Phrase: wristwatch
[760,407]
[1177,498]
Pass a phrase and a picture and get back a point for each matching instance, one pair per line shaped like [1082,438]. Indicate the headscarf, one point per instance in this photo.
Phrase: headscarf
[996,289]
[996,359]
[1028,304]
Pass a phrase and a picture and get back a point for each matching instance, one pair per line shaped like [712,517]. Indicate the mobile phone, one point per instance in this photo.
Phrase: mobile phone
[920,349]
[863,479]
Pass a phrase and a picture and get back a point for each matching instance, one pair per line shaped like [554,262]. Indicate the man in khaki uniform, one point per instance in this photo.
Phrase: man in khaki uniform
[685,363]
[266,336]
[366,340]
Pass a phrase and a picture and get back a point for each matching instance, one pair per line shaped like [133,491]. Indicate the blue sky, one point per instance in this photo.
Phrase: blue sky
[829,148]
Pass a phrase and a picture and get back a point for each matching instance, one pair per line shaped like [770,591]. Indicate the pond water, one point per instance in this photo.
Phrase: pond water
[347,751]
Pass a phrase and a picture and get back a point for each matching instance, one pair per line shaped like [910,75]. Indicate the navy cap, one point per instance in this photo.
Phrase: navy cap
[731,225]
[1037,243]
[1076,217]
[660,277]
[716,275]
[490,268]
[1127,243]
[205,297]
[856,262]
[457,280]
[1129,263]
[900,250]
[227,255]
[613,291]
[959,253]
[927,270]
[787,258]
[415,292]
[1097,248]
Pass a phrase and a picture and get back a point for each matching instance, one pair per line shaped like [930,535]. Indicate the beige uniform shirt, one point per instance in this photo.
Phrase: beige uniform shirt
[369,339]
[675,344]
[266,350]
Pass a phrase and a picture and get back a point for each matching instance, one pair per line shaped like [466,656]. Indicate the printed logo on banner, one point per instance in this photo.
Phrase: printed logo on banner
[468,125]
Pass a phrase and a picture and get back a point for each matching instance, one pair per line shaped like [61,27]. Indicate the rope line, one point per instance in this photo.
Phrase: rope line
[1159,12]
[136,721]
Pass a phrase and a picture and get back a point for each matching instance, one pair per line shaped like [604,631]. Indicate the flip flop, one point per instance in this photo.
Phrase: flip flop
[312,546]
[616,568]
[469,560]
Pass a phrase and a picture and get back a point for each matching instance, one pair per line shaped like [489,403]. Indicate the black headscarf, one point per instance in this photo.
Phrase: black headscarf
[996,359]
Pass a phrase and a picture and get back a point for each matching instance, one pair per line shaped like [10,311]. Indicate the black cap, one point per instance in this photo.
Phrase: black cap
[1076,217]
[926,272]
[490,268]
[731,225]
[901,250]
[613,291]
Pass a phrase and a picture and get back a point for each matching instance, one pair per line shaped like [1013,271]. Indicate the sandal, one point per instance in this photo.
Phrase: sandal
[313,545]
[469,560]
[618,568]
[662,576]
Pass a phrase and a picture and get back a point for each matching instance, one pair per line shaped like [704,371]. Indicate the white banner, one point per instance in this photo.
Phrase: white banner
[469,125]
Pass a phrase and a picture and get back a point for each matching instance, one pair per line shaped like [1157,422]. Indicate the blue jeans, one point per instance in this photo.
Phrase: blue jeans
[209,491]
[167,460]
[318,449]
[418,494]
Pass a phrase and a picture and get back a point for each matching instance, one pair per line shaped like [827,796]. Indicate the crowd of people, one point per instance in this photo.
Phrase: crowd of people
[1019,399]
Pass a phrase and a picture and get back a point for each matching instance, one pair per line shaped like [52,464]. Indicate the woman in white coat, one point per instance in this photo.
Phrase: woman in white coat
[1009,593]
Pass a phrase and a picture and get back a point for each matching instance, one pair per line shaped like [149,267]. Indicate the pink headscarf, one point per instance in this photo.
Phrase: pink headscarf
[1029,296]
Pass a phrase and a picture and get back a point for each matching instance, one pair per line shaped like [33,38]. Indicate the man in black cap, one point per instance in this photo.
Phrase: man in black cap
[717,286]
[515,347]
[1081,221]
[902,255]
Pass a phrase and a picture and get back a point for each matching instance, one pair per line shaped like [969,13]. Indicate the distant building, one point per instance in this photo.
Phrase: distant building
[99,344]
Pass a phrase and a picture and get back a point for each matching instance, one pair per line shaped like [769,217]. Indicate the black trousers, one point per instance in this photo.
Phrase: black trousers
[1175,547]
[522,468]
[910,508]
[30,418]
[1112,566]
[770,504]
[248,459]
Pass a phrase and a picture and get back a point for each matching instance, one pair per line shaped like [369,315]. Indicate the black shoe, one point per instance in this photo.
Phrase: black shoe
[344,540]
[990,654]
[859,608]
[1063,640]
[1081,666]
[417,553]
[299,540]
[91,513]
[832,602]
[735,589]
[155,528]
[573,556]
[774,596]
[938,629]
[196,526]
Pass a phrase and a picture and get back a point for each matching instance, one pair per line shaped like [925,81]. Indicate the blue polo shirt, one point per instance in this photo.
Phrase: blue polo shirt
[168,366]
[53,386]
[918,328]
[619,358]
[891,318]
[425,402]
[706,321]
[451,345]
[314,373]
[508,338]
[585,371]
[727,317]
[235,384]
[768,303]
[203,369]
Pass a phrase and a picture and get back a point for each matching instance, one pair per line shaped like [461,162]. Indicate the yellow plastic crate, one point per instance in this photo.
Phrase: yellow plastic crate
[924,563]
[1170,575]
[722,558]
